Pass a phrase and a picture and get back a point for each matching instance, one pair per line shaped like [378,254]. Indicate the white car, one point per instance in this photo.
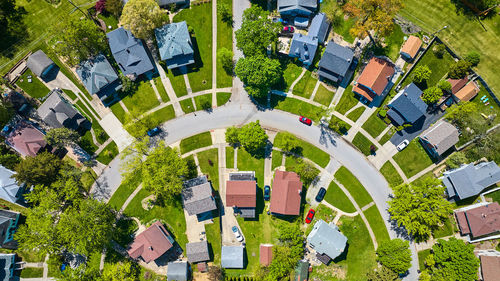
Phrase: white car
[402,145]
[237,233]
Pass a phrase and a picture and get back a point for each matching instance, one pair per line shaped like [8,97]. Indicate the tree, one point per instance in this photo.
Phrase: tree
[473,58]
[333,12]
[372,15]
[339,126]
[258,73]
[395,254]
[78,40]
[257,32]
[115,7]
[128,86]
[289,143]
[232,136]
[421,74]
[432,95]
[382,274]
[252,137]
[468,119]
[225,58]
[100,6]
[125,271]
[61,137]
[141,17]
[456,160]
[288,253]
[444,85]
[41,169]
[6,113]
[8,159]
[419,208]
[439,50]
[224,12]
[306,171]
[459,69]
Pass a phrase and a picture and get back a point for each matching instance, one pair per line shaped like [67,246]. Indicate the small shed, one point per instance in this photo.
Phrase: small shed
[177,271]
[266,254]
[197,252]
[410,48]
[40,64]
[232,257]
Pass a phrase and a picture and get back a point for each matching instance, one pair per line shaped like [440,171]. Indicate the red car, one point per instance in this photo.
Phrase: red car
[305,120]
[310,216]
[288,29]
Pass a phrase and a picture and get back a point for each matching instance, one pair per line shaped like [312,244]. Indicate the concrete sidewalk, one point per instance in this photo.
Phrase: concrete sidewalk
[115,130]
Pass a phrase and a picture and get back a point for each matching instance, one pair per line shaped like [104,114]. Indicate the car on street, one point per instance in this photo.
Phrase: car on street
[402,145]
[321,194]
[310,216]
[267,192]
[237,233]
[153,132]
[305,120]
[287,29]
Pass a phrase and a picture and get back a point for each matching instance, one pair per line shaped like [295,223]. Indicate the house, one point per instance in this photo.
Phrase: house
[467,92]
[7,264]
[9,189]
[479,221]
[8,226]
[57,112]
[241,193]
[410,48]
[335,62]
[327,240]
[374,79]
[303,47]
[40,64]
[232,257]
[197,197]
[301,271]
[197,252]
[27,140]
[470,180]
[293,8]
[178,271]
[266,254]
[286,194]
[98,76]
[151,244]
[163,3]
[129,53]
[439,138]
[457,84]
[319,27]
[174,44]
[407,106]
[490,267]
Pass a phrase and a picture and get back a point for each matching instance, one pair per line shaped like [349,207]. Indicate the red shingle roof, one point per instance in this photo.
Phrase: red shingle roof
[266,254]
[375,77]
[151,243]
[481,221]
[457,84]
[285,197]
[411,46]
[26,139]
[490,267]
[241,194]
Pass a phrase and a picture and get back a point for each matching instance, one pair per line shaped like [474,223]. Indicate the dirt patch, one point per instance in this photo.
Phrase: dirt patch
[148,202]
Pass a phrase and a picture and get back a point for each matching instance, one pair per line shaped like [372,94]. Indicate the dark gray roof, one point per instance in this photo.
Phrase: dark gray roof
[174,44]
[408,103]
[129,52]
[177,271]
[326,239]
[9,189]
[7,266]
[303,47]
[38,62]
[197,251]
[335,61]
[395,117]
[57,112]
[297,7]
[198,199]
[232,257]
[442,136]
[167,2]
[470,180]
[96,73]
[319,27]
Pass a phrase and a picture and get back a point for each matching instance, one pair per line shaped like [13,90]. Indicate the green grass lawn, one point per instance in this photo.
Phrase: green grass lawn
[347,101]
[177,81]
[108,153]
[187,105]
[32,272]
[374,125]
[224,40]
[297,107]
[35,88]
[447,229]
[161,89]
[464,34]
[213,237]
[421,258]
[336,197]
[247,162]
[229,157]
[201,100]
[200,19]
[195,142]
[307,150]
[305,86]
[124,190]
[322,213]
[413,159]
[362,143]
[343,27]
[377,224]
[392,44]
[160,116]
[209,164]
[355,188]
[119,112]
[385,138]
[142,100]
[223,98]
[291,164]
[390,174]
[110,20]
[323,95]
[277,159]
[86,143]
[356,113]
[486,109]
[290,74]
[495,196]
[80,105]
[70,94]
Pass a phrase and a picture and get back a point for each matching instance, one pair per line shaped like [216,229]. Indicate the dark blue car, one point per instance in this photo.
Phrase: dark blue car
[153,131]
[321,194]
[267,192]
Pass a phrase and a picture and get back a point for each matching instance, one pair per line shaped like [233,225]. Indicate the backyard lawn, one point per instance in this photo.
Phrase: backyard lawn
[377,224]
[142,100]
[224,40]
[247,162]
[363,143]
[374,125]
[307,150]
[323,95]
[494,196]
[336,197]
[305,86]
[297,107]
[392,44]
[209,164]
[124,190]
[213,237]
[347,101]
[35,88]
[413,159]
[390,174]
[356,113]
[355,188]
[223,98]
[32,272]
[195,142]
[108,153]
[447,229]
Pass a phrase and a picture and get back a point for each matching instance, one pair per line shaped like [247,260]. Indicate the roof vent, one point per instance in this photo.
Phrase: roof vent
[150,248]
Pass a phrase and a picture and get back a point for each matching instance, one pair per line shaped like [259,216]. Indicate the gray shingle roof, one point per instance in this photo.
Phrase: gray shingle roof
[7,266]
[319,27]
[327,239]
[303,47]
[198,199]
[167,2]
[9,189]
[129,52]
[442,136]
[470,180]
[38,62]
[335,61]
[58,112]
[408,103]
[177,271]
[232,257]
[174,44]
[96,73]
[197,251]
[297,7]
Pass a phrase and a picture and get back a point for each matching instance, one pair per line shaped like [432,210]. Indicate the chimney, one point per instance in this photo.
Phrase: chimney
[151,248]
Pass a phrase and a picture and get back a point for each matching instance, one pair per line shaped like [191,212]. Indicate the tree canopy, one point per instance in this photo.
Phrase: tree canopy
[432,95]
[41,169]
[459,69]
[382,274]
[141,17]
[421,74]
[395,254]
[289,251]
[252,137]
[115,7]
[60,137]
[258,73]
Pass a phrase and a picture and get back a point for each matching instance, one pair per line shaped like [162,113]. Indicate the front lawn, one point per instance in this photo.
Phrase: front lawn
[86,143]
[35,88]
[32,272]
[413,159]
[119,112]
[277,159]
[124,190]
[447,229]
[336,197]
[290,74]
[70,94]
[307,150]
[247,162]
[392,44]
[177,81]
[224,40]
[355,188]
[223,98]
[362,143]
[108,153]
[385,138]
[421,258]
[297,107]
[229,157]
[347,101]
[323,95]
[158,117]
[203,102]
[305,86]
[142,100]
[209,164]
[195,142]
[161,89]
[391,175]
[356,113]
[374,125]
[377,224]
[187,105]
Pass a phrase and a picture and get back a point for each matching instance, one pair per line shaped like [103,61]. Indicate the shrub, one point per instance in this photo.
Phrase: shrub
[459,69]
[444,85]
[432,95]
[456,159]
[473,57]
[439,50]
[382,113]
[225,58]
[421,74]
[338,126]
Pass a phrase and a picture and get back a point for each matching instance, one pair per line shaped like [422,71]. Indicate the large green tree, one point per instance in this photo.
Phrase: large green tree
[395,254]
[289,143]
[420,208]
[421,74]
[252,137]
[41,169]
[432,95]
[141,17]
[258,73]
[61,137]
[289,251]
[122,271]
[115,7]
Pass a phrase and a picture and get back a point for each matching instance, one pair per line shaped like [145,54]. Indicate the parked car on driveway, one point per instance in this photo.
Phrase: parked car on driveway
[310,216]
[267,193]
[305,120]
[321,194]
[153,132]
[402,145]
[288,29]
[237,233]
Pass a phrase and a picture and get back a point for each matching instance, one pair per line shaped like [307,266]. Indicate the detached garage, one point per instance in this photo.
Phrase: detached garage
[40,64]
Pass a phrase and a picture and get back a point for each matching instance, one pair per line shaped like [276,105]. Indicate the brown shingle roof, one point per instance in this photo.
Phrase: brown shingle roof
[241,194]
[375,77]
[26,139]
[467,92]
[266,254]
[462,222]
[484,220]
[490,267]
[411,46]
[457,84]
[151,243]
[285,197]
